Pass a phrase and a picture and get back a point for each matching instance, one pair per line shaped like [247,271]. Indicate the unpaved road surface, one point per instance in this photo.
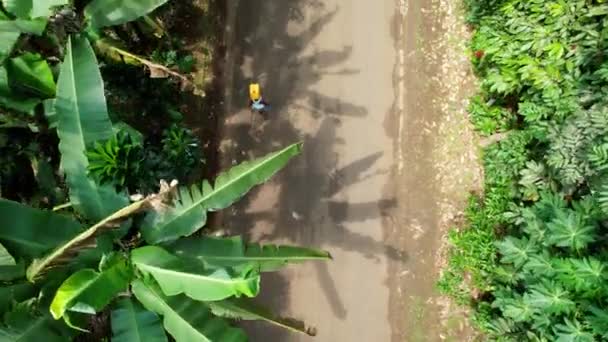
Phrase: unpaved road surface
[366,85]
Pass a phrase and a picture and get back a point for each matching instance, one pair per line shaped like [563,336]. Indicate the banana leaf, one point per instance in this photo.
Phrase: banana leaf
[176,276]
[82,118]
[189,211]
[88,291]
[29,232]
[233,252]
[132,323]
[26,9]
[186,320]
[102,13]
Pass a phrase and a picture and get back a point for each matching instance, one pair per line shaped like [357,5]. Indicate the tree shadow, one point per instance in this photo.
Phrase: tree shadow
[266,51]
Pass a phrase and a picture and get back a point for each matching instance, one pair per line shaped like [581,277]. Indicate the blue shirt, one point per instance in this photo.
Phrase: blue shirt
[257,104]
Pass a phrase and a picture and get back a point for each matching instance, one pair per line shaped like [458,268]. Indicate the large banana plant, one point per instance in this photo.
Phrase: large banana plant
[188,287]
[194,283]
[58,271]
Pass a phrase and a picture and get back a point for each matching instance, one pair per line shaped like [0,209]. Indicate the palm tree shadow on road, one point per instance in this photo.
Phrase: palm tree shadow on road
[307,204]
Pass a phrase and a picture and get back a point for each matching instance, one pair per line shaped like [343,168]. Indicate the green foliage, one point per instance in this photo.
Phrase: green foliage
[18,26]
[473,255]
[184,318]
[76,273]
[489,118]
[189,212]
[173,58]
[31,73]
[88,291]
[57,275]
[570,230]
[102,13]
[573,331]
[576,147]
[117,161]
[205,284]
[127,162]
[516,251]
[26,323]
[32,8]
[235,253]
[478,9]
[180,147]
[175,286]
[30,232]
[245,309]
[531,258]
[82,121]
[132,323]
[11,98]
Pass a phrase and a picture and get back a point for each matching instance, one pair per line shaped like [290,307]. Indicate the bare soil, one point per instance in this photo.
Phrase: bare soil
[377,91]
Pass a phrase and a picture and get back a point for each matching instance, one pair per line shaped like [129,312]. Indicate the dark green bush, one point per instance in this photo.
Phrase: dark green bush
[532,259]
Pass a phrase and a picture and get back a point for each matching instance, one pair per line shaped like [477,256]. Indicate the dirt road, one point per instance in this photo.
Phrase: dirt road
[361,83]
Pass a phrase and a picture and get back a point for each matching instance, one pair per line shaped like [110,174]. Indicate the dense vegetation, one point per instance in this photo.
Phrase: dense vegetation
[532,259]
[93,242]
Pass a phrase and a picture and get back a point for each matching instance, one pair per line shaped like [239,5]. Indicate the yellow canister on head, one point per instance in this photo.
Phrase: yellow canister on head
[254,91]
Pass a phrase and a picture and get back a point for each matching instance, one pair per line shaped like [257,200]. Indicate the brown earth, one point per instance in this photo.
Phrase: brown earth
[377,91]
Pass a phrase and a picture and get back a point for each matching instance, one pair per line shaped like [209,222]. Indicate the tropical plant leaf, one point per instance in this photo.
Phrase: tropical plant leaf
[30,73]
[83,119]
[77,321]
[7,41]
[35,26]
[26,9]
[14,101]
[500,326]
[102,13]
[549,297]
[516,251]
[507,274]
[176,277]
[45,177]
[25,324]
[49,112]
[571,230]
[88,291]
[186,320]
[598,321]
[10,273]
[189,212]
[519,310]
[6,259]
[233,252]
[590,271]
[245,309]
[540,265]
[587,275]
[598,10]
[602,197]
[15,293]
[132,323]
[18,8]
[29,232]
[572,331]
[86,240]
